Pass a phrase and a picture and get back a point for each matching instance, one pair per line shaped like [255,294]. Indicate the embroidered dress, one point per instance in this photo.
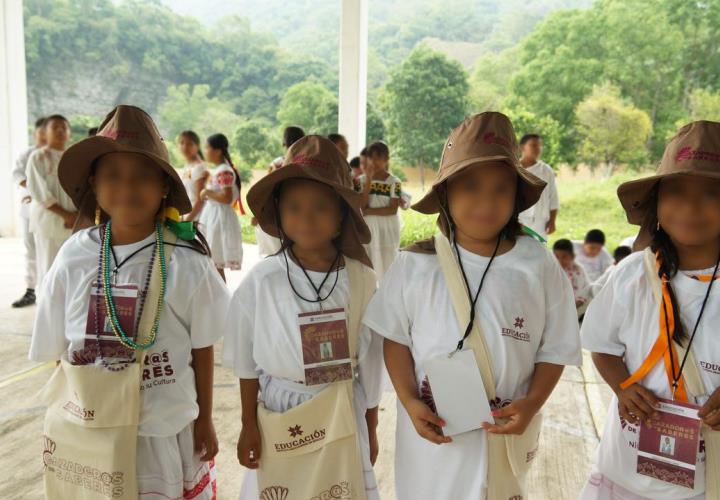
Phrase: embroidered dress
[219,222]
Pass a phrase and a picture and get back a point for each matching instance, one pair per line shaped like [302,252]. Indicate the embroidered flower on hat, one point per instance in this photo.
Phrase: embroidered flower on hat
[303,159]
[492,138]
[688,153]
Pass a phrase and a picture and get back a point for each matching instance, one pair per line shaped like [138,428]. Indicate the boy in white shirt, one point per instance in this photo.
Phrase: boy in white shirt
[52,214]
[592,255]
[541,216]
[619,254]
[565,255]
[20,179]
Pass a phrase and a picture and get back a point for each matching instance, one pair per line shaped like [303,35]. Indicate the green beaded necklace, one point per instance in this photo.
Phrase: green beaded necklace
[107,291]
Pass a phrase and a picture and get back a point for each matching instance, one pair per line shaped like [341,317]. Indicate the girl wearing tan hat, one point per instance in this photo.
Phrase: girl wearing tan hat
[309,372]
[131,307]
[485,303]
[652,329]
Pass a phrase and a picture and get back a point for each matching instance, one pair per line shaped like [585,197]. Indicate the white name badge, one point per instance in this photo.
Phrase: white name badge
[458,392]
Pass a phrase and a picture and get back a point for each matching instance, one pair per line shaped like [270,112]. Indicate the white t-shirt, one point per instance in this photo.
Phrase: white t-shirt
[19,174]
[192,318]
[44,187]
[381,192]
[622,320]
[537,216]
[191,173]
[526,311]
[263,335]
[594,266]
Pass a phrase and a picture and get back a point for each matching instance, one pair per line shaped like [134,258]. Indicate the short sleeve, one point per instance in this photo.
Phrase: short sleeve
[600,330]
[226,178]
[48,341]
[554,200]
[386,314]
[560,342]
[19,173]
[198,171]
[208,307]
[370,365]
[396,189]
[240,332]
[36,182]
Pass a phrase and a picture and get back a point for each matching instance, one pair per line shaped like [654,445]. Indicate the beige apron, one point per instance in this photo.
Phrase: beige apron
[312,451]
[509,455]
[91,424]
[695,385]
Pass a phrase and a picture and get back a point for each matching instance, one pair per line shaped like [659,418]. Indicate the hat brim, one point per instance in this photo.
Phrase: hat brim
[635,195]
[75,168]
[354,232]
[531,186]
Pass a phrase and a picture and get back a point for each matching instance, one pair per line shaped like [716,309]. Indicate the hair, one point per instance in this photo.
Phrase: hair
[621,252]
[336,138]
[378,148]
[92,131]
[194,138]
[595,236]
[564,245]
[40,122]
[219,141]
[355,162]
[291,135]
[529,137]
[364,151]
[56,117]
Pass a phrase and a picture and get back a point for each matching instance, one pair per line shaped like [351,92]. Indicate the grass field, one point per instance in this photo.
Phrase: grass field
[586,202]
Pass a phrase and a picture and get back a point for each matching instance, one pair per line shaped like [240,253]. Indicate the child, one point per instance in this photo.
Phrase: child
[525,310]
[341,143]
[565,254]
[218,219]
[19,175]
[662,296]
[123,291]
[591,254]
[540,217]
[194,173]
[321,272]
[619,254]
[52,214]
[381,198]
[355,168]
[290,136]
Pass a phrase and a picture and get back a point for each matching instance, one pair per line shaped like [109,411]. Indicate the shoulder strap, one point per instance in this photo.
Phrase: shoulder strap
[459,295]
[362,286]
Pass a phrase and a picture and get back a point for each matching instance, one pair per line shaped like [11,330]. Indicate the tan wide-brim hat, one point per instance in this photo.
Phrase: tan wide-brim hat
[126,129]
[481,140]
[694,151]
[317,159]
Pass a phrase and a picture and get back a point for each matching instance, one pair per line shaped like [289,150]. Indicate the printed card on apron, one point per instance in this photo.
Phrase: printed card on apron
[91,424]
[318,439]
[509,456]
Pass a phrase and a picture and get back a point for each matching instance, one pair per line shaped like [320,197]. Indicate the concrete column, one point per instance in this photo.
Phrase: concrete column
[353,73]
[13,107]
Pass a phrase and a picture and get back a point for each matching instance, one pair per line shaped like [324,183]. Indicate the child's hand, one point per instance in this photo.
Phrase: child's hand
[427,424]
[203,194]
[519,413]
[205,439]
[710,411]
[636,403]
[248,447]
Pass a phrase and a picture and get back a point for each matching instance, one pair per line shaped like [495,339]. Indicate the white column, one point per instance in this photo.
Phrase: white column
[352,100]
[13,107]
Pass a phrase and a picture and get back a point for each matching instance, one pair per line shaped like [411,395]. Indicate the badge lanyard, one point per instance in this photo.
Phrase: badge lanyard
[472,300]
[318,289]
[676,378]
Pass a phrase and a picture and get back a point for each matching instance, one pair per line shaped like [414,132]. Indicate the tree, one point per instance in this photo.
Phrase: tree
[256,143]
[704,105]
[612,131]
[309,105]
[424,100]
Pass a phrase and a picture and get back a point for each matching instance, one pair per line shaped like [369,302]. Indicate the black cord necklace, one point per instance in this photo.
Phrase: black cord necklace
[676,378]
[474,300]
[318,289]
